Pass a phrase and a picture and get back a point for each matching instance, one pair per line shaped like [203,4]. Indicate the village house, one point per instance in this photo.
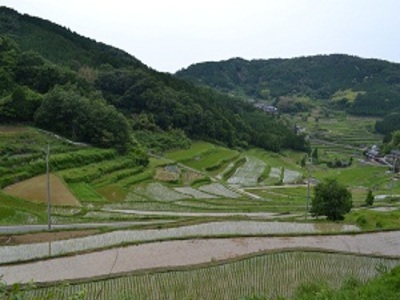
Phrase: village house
[266,107]
[373,153]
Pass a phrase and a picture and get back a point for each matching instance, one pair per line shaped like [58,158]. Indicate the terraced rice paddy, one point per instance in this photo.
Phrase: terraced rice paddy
[191,192]
[290,176]
[160,192]
[157,191]
[197,149]
[249,173]
[243,228]
[270,276]
[283,199]
[150,193]
[213,160]
[219,190]
[178,254]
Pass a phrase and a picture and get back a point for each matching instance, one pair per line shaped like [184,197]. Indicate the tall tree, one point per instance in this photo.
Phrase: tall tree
[314,155]
[331,199]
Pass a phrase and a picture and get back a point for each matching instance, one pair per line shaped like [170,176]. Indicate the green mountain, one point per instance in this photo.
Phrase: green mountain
[360,86]
[88,91]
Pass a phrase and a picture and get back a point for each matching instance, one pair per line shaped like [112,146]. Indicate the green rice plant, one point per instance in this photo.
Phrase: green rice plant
[84,192]
[91,172]
[265,174]
[374,220]
[18,211]
[212,160]
[282,199]
[231,169]
[82,157]
[116,176]
[201,181]
[196,149]
[24,167]
[19,217]
[113,192]
[6,180]
[270,276]
[145,174]
[286,159]
[366,176]
[137,178]
[6,212]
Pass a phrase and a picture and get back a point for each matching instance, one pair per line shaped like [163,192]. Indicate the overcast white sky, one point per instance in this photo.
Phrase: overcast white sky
[168,35]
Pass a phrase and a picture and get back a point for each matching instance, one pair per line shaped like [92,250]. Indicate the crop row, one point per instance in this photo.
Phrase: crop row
[249,173]
[269,276]
[213,160]
[232,167]
[32,251]
[197,149]
[89,173]
[58,162]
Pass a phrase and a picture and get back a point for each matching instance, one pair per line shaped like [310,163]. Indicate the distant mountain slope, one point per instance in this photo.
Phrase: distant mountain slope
[59,44]
[319,77]
[91,92]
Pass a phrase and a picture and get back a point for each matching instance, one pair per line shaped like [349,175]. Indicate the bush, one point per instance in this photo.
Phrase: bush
[386,286]
[369,200]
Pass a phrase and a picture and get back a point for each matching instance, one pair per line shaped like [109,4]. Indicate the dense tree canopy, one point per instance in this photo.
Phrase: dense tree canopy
[66,112]
[331,199]
[389,123]
[88,84]
[318,77]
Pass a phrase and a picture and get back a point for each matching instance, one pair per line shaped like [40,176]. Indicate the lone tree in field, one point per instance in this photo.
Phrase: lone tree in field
[331,199]
[369,200]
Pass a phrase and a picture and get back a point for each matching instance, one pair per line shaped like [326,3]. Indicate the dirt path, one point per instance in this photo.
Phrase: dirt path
[263,215]
[172,254]
[40,237]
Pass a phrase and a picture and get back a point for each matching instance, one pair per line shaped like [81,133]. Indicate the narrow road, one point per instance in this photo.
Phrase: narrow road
[171,254]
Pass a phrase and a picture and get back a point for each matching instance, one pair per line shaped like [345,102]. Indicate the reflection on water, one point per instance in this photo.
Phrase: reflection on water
[248,228]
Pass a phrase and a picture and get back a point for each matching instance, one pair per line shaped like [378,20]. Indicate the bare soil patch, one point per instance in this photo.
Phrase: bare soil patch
[163,174]
[41,237]
[13,129]
[35,190]
[190,176]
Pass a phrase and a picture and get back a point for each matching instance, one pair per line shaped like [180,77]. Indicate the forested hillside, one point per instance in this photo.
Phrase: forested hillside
[85,90]
[360,86]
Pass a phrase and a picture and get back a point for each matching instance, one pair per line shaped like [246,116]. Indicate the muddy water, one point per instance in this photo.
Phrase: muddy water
[244,228]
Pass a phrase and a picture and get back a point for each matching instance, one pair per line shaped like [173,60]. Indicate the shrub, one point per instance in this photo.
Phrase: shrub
[369,200]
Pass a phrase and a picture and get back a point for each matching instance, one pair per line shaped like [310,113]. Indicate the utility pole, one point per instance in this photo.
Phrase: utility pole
[308,191]
[393,175]
[308,168]
[47,151]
